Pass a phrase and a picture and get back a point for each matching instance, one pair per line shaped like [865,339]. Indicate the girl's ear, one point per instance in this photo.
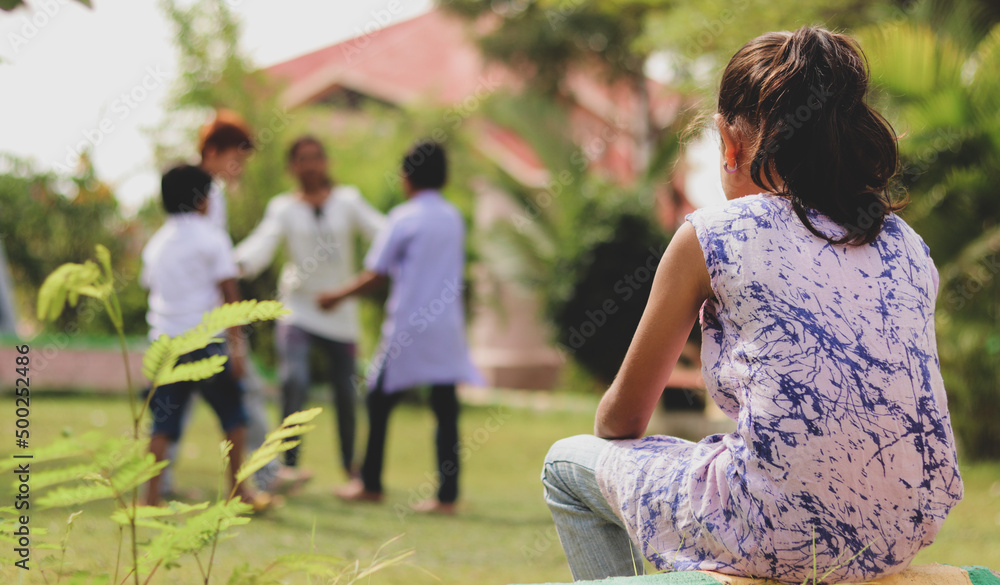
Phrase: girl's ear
[730,141]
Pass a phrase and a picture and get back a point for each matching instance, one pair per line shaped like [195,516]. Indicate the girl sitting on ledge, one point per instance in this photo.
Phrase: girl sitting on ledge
[817,314]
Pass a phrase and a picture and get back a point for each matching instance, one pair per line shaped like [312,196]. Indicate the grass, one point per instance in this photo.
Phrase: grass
[503,533]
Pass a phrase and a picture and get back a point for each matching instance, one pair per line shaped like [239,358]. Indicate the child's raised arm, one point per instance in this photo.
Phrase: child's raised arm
[364,283]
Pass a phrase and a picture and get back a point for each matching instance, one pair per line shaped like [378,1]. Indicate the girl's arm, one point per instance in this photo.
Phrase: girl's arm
[680,287]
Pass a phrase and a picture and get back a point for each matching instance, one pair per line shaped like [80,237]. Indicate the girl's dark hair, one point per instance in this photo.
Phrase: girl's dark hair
[798,99]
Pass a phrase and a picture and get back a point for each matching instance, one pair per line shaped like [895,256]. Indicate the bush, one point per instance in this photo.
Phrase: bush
[608,287]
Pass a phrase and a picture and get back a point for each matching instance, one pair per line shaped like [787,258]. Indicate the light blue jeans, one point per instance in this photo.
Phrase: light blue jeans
[592,536]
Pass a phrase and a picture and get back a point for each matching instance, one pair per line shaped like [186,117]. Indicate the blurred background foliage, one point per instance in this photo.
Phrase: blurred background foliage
[936,75]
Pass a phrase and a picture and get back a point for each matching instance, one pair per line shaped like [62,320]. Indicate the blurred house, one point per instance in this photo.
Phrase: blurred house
[433,60]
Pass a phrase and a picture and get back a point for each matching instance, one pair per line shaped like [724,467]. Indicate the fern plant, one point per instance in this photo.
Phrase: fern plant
[93,466]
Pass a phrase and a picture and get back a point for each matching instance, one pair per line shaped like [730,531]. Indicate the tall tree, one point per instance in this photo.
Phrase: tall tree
[546,40]
[8,5]
[615,39]
[215,73]
[60,219]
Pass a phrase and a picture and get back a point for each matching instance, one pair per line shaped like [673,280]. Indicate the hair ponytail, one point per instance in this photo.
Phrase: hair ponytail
[800,99]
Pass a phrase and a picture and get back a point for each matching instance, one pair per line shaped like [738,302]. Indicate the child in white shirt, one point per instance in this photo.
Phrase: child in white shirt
[188,268]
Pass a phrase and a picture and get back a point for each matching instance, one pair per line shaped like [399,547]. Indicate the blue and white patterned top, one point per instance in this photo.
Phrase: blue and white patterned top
[826,357]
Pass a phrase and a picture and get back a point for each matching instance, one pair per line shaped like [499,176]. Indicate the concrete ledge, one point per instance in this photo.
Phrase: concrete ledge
[933,574]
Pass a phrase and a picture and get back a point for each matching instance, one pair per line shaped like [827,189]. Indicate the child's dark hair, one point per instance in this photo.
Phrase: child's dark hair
[798,101]
[227,130]
[425,165]
[184,188]
[302,141]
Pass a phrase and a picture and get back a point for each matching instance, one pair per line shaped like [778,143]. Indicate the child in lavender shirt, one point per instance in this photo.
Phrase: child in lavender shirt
[422,251]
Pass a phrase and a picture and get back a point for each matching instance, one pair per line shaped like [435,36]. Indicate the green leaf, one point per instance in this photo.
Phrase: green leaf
[155,357]
[303,416]
[192,371]
[225,448]
[238,314]
[83,281]
[50,477]
[196,533]
[65,497]
[164,352]
[911,61]
[136,471]
[145,515]
[66,284]
[288,432]
[62,448]
[104,258]
[261,457]
[276,442]
[52,293]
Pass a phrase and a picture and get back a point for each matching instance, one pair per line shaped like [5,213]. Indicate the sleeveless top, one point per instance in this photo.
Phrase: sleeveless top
[825,356]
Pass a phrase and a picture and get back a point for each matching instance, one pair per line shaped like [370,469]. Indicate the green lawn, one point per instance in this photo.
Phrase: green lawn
[503,534]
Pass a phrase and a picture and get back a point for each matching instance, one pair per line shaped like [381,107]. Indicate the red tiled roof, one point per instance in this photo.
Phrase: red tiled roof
[512,153]
[392,64]
[432,60]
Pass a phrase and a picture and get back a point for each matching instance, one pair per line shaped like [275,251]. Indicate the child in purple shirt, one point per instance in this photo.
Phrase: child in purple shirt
[421,250]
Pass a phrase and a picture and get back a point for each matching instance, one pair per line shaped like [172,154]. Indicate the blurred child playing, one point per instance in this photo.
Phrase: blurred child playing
[188,268]
[422,250]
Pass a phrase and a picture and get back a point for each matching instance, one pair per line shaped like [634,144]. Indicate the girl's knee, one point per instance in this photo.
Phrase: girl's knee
[582,450]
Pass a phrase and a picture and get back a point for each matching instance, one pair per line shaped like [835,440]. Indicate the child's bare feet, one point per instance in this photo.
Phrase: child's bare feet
[433,506]
[260,501]
[289,480]
[355,492]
